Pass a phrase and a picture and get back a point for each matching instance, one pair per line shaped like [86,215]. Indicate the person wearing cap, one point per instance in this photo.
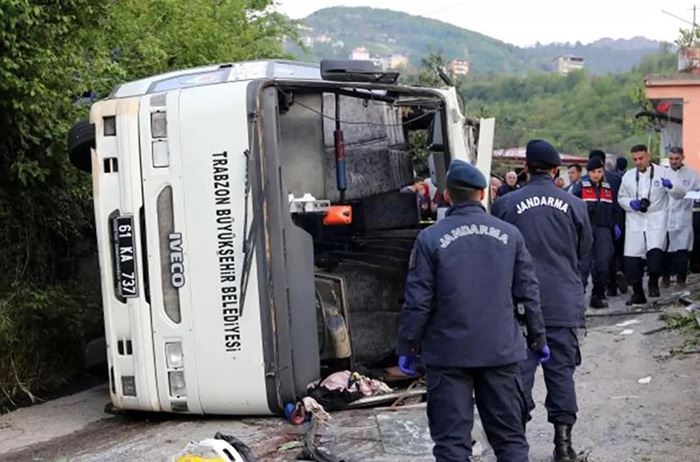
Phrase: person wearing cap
[598,196]
[616,271]
[680,216]
[469,338]
[558,234]
[644,196]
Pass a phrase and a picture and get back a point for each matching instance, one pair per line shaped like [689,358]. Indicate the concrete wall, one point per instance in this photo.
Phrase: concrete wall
[690,95]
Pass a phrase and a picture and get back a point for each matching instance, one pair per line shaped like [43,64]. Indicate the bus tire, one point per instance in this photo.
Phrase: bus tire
[81,139]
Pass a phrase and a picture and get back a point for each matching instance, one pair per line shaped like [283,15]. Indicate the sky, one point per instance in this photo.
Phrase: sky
[525,22]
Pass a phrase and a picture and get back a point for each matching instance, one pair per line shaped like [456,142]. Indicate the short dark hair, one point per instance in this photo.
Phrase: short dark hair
[576,167]
[460,194]
[539,167]
[676,150]
[639,148]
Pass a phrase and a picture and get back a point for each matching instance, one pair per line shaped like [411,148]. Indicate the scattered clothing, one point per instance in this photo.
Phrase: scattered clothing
[339,389]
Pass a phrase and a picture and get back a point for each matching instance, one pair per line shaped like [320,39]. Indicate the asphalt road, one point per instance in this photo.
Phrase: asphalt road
[620,419]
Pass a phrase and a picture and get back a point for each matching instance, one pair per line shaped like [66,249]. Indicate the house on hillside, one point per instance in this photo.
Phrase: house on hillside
[394,61]
[458,67]
[360,53]
[567,63]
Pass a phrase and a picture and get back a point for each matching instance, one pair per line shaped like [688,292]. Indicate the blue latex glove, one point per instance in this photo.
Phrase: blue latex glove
[618,232]
[667,183]
[543,354]
[635,204]
[408,364]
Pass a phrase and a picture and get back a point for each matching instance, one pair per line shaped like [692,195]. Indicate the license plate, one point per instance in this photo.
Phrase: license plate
[125,257]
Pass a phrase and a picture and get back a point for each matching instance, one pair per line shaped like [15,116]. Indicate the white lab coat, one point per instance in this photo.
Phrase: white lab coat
[680,210]
[645,231]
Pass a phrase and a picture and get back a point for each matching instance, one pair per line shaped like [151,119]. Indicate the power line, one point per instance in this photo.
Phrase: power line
[693,23]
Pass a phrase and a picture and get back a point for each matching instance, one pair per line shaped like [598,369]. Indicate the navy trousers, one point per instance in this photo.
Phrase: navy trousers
[676,263]
[558,375]
[501,401]
[617,262]
[634,267]
[597,263]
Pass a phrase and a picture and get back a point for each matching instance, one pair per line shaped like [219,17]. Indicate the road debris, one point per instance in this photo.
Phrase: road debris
[656,331]
[627,312]
[371,401]
[291,445]
[312,451]
[627,332]
[644,380]
[220,448]
[629,322]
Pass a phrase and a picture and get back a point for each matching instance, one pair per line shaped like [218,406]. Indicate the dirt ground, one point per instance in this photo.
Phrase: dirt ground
[620,419]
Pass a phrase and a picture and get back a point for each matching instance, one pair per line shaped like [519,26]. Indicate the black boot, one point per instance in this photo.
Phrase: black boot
[598,302]
[654,287]
[563,451]
[637,297]
[621,281]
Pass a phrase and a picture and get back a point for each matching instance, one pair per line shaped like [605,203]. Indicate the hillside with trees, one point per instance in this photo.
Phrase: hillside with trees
[335,32]
[577,112]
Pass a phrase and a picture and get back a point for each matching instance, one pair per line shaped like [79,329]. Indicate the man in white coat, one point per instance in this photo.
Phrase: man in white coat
[644,195]
[680,215]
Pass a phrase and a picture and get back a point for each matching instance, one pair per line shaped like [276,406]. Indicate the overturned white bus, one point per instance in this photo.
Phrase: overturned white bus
[250,227]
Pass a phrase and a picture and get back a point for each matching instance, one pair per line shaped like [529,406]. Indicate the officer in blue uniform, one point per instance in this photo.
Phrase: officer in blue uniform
[558,234]
[597,193]
[466,273]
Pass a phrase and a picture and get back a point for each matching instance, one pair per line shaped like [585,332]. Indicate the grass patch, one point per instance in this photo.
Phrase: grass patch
[688,324]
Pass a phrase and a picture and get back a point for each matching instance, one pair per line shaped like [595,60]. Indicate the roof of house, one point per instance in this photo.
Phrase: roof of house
[518,154]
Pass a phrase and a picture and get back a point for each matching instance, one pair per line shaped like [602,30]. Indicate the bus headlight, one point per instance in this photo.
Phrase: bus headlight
[174,355]
[159,125]
[176,379]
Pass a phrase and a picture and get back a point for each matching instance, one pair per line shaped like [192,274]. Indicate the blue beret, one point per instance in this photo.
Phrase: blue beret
[594,163]
[543,153]
[465,175]
[597,153]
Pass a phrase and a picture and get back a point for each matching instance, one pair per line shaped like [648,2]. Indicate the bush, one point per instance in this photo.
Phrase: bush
[42,335]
